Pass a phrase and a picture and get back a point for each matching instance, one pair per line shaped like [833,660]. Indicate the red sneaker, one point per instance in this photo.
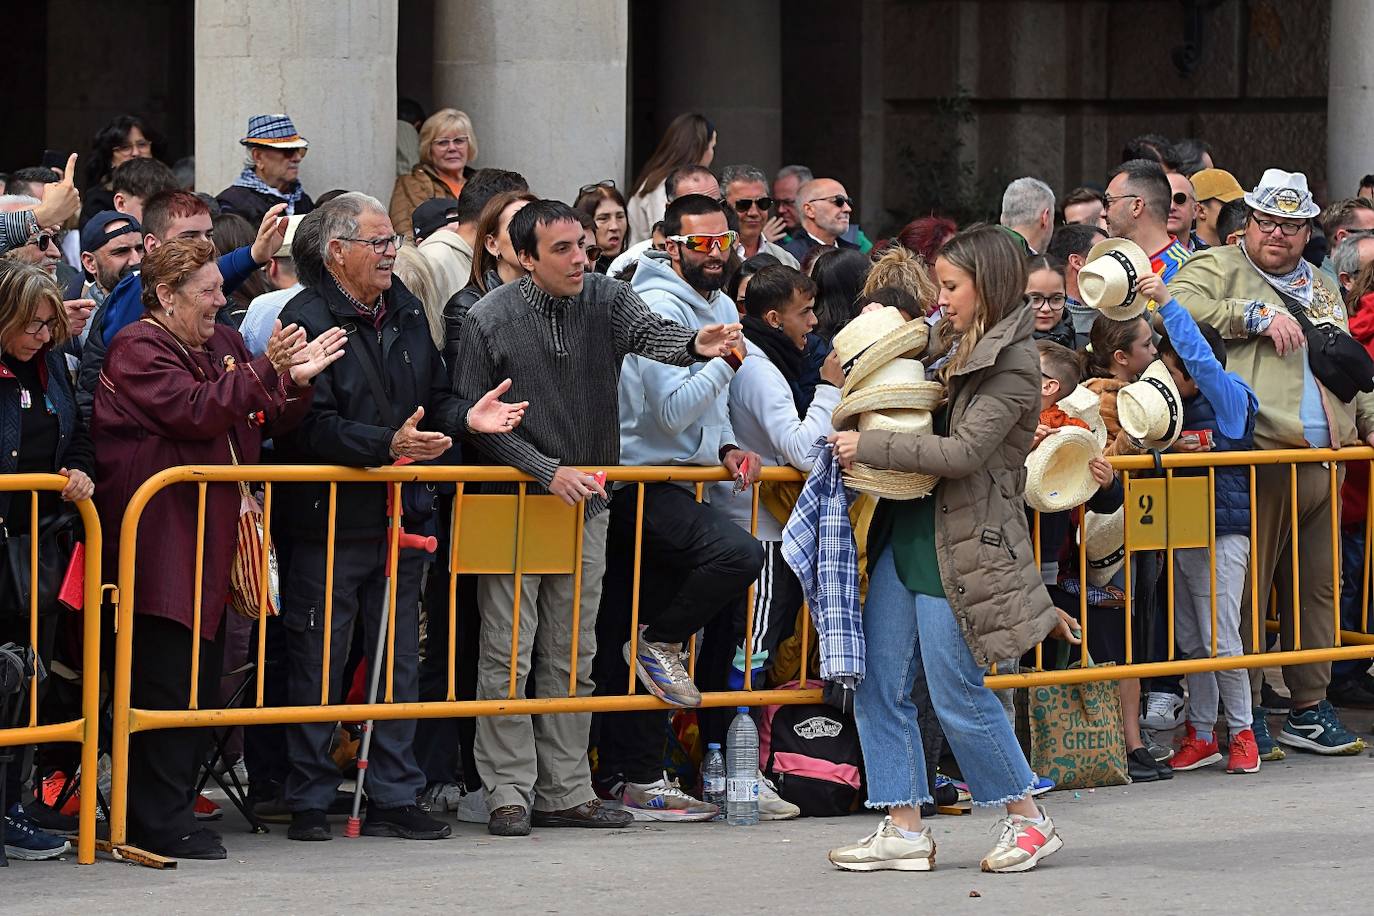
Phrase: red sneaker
[206,810]
[1244,753]
[53,786]
[1193,754]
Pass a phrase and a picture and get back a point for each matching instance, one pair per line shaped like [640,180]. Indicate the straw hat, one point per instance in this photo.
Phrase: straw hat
[915,422]
[1150,410]
[1108,281]
[1281,193]
[889,484]
[1057,475]
[1083,404]
[898,385]
[1105,545]
[875,338]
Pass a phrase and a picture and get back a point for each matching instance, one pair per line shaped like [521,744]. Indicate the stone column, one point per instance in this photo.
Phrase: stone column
[1350,98]
[544,82]
[330,66]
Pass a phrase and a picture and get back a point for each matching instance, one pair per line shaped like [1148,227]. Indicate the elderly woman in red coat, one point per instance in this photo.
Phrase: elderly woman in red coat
[177,388]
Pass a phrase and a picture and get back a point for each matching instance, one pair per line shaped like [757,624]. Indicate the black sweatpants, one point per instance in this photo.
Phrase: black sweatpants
[697,567]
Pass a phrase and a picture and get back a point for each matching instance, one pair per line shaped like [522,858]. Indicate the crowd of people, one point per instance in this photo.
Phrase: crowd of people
[693,318]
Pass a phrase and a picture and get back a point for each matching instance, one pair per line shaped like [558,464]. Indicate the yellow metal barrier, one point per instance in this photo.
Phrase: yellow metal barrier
[531,534]
[82,731]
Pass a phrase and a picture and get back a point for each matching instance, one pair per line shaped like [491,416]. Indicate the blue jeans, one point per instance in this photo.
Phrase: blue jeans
[1352,605]
[904,632]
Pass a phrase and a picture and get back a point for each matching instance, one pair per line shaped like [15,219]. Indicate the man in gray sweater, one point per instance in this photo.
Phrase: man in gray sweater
[560,335]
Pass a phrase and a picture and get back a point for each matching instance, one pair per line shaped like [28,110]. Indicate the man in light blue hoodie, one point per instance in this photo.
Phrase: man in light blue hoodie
[697,564]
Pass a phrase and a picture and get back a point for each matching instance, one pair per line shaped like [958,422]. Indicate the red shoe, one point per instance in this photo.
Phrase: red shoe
[206,810]
[1194,754]
[53,785]
[1244,753]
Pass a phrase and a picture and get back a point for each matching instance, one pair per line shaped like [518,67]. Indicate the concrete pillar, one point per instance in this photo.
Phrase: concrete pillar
[544,82]
[731,73]
[330,65]
[1350,98]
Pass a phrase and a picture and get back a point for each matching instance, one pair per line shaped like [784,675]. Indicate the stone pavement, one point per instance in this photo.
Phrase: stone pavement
[1294,839]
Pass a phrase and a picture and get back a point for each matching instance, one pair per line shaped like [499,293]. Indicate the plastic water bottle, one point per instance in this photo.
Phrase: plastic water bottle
[713,779]
[742,771]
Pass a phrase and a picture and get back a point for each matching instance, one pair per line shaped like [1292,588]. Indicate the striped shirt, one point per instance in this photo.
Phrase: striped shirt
[16,229]
[563,356]
[1169,259]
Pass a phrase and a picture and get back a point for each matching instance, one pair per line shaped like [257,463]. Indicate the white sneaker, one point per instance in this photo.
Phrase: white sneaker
[472,807]
[772,806]
[1023,844]
[468,807]
[664,800]
[885,849]
[1163,712]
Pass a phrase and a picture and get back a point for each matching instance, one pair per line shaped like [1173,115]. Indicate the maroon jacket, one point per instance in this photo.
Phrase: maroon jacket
[154,410]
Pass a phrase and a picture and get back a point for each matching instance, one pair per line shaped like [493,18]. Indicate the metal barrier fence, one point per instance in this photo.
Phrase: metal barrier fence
[83,730]
[523,534]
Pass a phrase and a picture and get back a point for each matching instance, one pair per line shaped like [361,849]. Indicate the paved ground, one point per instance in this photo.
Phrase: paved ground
[1294,839]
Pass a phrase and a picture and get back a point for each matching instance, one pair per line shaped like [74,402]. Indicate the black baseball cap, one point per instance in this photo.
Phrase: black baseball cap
[433,215]
[97,230]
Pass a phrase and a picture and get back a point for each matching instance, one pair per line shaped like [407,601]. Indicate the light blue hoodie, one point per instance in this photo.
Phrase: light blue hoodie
[671,415]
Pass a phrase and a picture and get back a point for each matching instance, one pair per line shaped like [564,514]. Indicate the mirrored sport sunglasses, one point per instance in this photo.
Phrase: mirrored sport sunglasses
[743,204]
[702,244]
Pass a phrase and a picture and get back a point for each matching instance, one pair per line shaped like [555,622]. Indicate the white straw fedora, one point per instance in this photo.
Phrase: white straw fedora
[1057,474]
[1108,280]
[898,385]
[1150,410]
[914,422]
[1281,193]
[1084,404]
[889,484]
[875,338]
[1105,545]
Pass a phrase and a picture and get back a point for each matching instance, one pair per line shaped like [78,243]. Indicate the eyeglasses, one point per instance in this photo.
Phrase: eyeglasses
[142,146]
[1039,301]
[379,246]
[1108,199]
[1180,198]
[588,188]
[1266,226]
[839,200]
[593,253]
[41,240]
[34,328]
[450,142]
[743,205]
[702,244]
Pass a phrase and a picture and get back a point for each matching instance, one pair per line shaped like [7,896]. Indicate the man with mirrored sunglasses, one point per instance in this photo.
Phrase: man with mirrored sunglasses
[746,191]
[825,209]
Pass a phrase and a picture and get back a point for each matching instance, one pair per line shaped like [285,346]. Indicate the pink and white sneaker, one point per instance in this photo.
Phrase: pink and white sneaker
[1023,844]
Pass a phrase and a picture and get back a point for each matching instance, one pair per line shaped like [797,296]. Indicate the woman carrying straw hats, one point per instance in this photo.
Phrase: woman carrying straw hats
[953,585]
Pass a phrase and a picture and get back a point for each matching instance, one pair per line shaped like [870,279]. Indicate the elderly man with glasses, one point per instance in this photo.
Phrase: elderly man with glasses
[272,174]
[1250,293]
[387,398]
[746,192]
[825,209]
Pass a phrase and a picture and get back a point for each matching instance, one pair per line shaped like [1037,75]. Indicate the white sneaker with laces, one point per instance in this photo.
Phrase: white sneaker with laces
[772,806]
[885,849]
[1163,712]
[664,800]
[1022,844]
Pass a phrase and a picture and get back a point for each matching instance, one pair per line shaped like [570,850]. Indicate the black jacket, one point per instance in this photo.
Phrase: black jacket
[346,424]
[455,310]
[74,448]
[253,205]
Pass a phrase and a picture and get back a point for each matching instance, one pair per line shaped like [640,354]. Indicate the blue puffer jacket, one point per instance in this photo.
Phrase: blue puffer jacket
[1232,483]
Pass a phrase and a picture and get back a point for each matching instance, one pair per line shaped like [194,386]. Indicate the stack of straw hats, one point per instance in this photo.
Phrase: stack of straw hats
[885,388]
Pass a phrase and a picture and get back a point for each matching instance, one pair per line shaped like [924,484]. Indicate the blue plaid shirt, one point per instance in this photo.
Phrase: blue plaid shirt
[818,544]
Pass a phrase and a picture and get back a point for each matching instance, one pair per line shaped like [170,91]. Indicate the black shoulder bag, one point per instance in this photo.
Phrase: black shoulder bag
[1338,360]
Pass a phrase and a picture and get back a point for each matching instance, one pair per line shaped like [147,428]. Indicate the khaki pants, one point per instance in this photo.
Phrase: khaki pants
[539,761]
[1274,567]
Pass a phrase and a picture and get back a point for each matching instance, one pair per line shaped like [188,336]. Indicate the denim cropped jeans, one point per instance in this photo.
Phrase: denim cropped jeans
[904,632]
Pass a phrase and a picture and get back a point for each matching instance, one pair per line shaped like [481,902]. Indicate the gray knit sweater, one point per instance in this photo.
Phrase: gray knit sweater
[563,356]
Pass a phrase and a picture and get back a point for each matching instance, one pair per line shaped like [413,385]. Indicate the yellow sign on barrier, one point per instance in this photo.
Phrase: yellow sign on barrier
[488,524]
[1168,513]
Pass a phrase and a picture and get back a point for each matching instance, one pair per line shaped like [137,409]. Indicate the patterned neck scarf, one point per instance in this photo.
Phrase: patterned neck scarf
[1297,283]
[249,179]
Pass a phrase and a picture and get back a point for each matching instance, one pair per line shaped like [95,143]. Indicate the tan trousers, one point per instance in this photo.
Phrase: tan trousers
[539,761]
[1274,567]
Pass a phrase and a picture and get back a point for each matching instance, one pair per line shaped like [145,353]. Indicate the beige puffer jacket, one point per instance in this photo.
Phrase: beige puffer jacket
[987,565]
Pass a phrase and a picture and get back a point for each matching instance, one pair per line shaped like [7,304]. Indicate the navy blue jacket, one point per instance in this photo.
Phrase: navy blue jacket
[73,444]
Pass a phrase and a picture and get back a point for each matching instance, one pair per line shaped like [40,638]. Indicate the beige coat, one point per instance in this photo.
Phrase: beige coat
[982,541]
[1216,286]
[450,262]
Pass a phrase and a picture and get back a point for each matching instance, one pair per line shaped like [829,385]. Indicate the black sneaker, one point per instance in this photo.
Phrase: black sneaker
[409,822]
[310,826]
[1354,693]
[1142,767]
[1273,700]
[198,844]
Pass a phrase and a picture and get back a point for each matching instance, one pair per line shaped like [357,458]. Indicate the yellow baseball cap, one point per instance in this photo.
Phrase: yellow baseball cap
[1218,184]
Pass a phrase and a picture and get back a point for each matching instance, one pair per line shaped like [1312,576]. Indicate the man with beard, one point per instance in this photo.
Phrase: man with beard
[825,209]
[111,249]
[1138,201]
[697,564]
